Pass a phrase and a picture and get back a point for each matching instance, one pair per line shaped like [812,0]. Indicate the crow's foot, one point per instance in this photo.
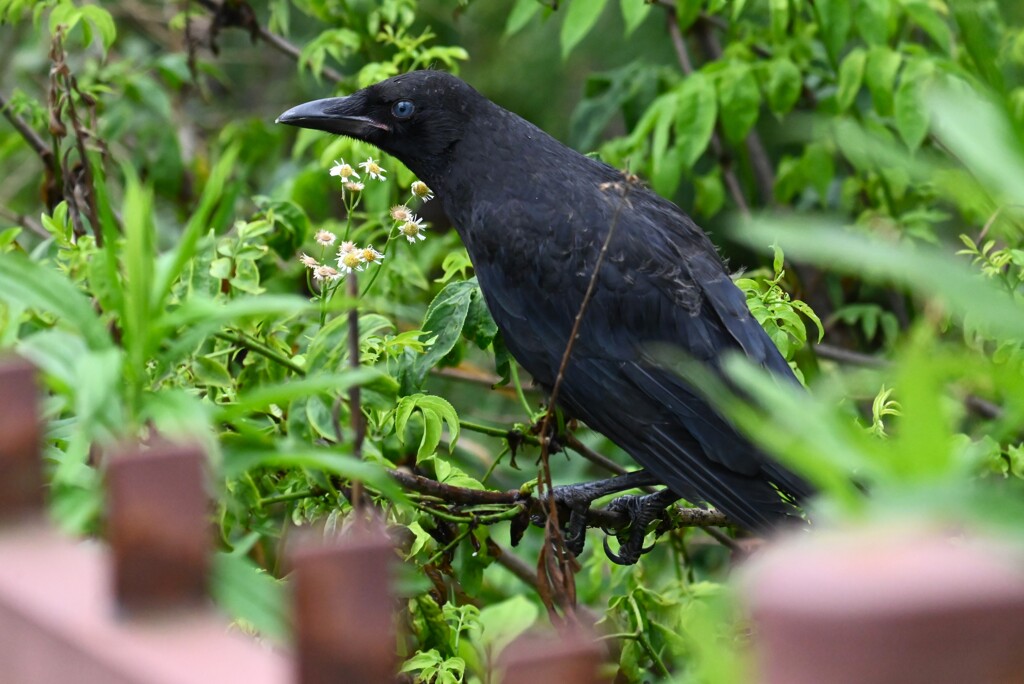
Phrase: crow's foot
[641,511]
[577,498]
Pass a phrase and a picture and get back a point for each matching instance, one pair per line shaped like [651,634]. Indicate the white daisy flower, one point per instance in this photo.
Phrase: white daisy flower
[413,229]
[325,273]
[343,171]
[420,190]
[402,213]
[373,169]
[370,255]
[351,261]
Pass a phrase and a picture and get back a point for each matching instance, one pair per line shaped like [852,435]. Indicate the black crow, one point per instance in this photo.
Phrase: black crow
[534,215]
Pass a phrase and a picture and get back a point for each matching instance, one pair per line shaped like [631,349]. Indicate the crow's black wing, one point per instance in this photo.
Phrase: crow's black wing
[662,283]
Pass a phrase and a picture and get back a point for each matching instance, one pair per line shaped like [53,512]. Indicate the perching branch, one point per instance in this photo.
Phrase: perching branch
[241,16]
[596,517]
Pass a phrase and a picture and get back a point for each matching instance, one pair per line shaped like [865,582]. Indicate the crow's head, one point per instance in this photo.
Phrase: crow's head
[417,117]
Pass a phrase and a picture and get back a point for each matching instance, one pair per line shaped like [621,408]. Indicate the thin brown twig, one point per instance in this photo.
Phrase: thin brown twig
[24,221]
[34,140]
[513,563]
[275,41]
[558,570]
[834,353]
[572,442]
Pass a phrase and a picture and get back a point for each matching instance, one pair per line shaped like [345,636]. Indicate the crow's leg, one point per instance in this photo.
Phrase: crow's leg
[578,497]
[642,511]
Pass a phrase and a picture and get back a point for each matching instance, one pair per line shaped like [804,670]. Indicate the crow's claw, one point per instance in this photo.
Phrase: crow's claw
[576,499]
[628,554]
[641,511]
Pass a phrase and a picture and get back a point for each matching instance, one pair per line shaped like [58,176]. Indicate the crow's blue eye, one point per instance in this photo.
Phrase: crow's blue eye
[403,109]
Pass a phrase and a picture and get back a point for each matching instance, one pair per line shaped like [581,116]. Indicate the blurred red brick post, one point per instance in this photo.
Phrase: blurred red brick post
[566,658]
[21,463]
[59,621]
[878,607]
[344,609]
[158,526]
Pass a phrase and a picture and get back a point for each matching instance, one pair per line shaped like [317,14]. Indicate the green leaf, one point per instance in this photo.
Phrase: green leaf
[710,193]
[64,13]
[872,20]
[982,136]
[168,271]
[139,256]
[981,32]
[445,319]
[479,326]
[784,85]
[520,15]
[434,410]
[819,169]
[666,167]
[696,109]
[501,623]
[778,12]
[27,283]
[851,75]
[248,593]
[834,19]
[285,392]
[739,101]
[199,317]
[633,13]
[880,77]
[580,17]
[912,118]
[420,539]
[239,459]
[926,271]
[8,236]
[210,371]
[926,16]
[102,22]
[687,12]
[457,262]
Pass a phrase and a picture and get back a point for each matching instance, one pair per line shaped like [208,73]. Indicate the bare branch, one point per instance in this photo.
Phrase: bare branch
[596,517]
[24,221]
[275,41]
[34,140]
[834,353]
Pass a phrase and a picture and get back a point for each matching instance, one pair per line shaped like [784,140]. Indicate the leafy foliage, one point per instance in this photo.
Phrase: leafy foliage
[160,289]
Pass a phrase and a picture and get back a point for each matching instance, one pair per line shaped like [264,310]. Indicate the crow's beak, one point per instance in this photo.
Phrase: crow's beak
[339,115]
